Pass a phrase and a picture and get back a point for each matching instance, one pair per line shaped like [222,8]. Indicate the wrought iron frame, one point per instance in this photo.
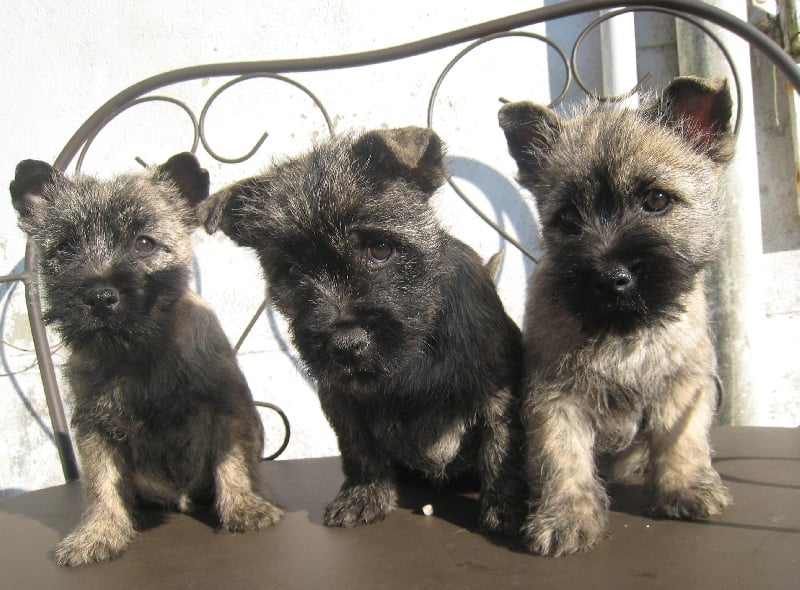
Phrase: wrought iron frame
[692,11]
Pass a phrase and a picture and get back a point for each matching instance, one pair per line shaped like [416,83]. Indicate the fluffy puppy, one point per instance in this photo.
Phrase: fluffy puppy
[620,362]
[417,363]
[161,412]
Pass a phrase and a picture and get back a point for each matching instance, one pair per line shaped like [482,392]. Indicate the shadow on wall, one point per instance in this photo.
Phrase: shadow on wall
[506,202]
[6,291]
[8,492]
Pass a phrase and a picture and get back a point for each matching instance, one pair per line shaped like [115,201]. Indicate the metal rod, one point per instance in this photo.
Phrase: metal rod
[44,357]
[756,38]
[771,51]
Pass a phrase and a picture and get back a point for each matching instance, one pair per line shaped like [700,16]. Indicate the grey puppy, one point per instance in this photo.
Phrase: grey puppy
[620,363]
[416,361]
[161,412]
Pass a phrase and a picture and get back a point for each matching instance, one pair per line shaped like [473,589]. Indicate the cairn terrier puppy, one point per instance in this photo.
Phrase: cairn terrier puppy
[162,413]
[619,358]
[416,361]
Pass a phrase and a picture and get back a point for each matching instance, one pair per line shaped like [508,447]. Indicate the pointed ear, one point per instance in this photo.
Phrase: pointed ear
[218,208]
[225,211]
[530,130]
[192,181]
[27,189]
[700,109]
[415,154]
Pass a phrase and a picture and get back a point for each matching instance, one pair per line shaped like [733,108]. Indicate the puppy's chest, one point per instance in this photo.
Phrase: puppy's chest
[137,411]
[426,443]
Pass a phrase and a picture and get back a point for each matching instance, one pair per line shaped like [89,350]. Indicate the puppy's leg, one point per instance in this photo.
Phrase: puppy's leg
[239,506]
[503,488]
[369,491]
[107,525]
[569,505]
[681,482]
[628,466]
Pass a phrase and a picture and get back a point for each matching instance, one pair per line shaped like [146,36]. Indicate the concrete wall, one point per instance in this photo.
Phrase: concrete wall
[61,61]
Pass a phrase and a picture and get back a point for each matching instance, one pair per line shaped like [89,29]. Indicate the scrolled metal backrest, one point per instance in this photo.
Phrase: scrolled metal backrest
[74,152]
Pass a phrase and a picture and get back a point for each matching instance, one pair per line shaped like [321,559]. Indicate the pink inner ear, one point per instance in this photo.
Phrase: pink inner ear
[31,201]
[697,113]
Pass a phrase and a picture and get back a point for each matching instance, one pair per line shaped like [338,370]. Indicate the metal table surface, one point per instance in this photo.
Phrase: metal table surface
[754,544]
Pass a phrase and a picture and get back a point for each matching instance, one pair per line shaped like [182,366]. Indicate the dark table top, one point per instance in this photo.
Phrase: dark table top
[754,544]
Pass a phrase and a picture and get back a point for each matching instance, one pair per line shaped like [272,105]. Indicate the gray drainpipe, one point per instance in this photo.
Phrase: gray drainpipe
[736,285]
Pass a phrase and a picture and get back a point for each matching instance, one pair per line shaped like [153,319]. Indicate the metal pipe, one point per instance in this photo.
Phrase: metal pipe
[618,52]
[736,286]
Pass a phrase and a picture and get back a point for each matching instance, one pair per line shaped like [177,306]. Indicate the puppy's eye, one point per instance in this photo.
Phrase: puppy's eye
[656,201]
[568,221]
[144,244]
[294,272]
[66,247]
[379,251]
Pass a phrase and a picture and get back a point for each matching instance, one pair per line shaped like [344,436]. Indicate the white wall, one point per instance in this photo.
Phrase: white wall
[61,61]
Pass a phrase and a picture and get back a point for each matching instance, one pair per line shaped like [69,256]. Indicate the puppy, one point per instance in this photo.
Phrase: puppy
[161,411]
[619,356]
[417,363]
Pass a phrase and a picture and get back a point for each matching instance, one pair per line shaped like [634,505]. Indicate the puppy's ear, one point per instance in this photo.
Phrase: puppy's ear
[700,110]
[530,130]
[220,205]
[28,189]
[185,172]
[225,210]
[415,154]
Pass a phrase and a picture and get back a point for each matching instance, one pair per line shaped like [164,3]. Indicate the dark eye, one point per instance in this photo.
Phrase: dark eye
[568,221]
[294,272]
[144,244]
[656,201]
[380,251]
[66,247]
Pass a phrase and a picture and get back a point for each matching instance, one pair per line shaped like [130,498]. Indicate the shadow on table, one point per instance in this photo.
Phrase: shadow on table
[456,502]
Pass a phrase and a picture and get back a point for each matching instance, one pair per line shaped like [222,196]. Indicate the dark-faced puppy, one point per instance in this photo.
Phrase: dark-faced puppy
[416,361]
[161,411]
[619,358]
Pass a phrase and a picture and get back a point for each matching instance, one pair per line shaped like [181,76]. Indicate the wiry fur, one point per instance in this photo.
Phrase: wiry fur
[619,358]
[162,414]
[416,361]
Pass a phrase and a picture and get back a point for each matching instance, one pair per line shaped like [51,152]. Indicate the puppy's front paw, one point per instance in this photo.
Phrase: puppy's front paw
[249,512]
[361,504]
[92,543]
[696,500]
[566,530]
[501,520]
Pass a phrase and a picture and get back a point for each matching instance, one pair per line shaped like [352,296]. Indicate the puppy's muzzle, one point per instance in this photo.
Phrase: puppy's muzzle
[101,300]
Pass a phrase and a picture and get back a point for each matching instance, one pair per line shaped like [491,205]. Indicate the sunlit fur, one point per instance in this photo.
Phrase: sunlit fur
[161,412]
[620,362]
[416,361]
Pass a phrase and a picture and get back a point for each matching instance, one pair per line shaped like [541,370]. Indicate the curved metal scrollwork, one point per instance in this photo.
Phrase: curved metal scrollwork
[640,84]
[264,135]
[287,430]
[432,102]
[573,72]
[82,139]
[133,103]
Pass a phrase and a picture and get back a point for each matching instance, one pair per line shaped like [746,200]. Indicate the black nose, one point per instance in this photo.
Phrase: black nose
[101,299]
[350,340]
[614,280]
